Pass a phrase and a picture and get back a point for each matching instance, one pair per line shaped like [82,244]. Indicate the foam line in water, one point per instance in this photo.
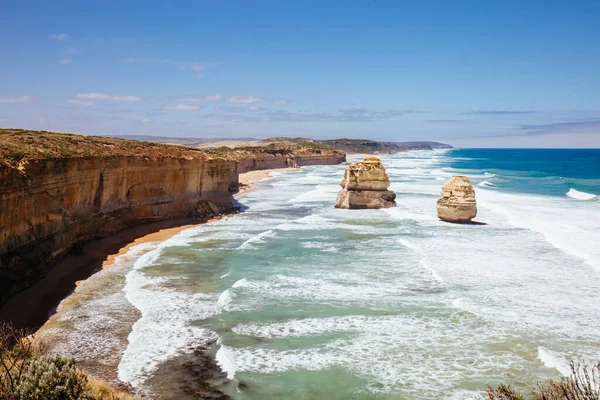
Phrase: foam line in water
[226,360]
[577,195]
[569,228]
[396,343]
[553,360]
[164,329]
[257,239]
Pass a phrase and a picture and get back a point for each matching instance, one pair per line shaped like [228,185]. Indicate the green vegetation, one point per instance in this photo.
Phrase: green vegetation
[27,373]
[53,378]
[582,384]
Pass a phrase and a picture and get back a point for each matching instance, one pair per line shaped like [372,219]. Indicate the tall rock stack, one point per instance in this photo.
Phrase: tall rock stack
[365,185]
[458,201]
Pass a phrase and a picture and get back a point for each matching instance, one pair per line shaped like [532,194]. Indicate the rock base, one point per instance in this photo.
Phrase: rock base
[452,211]
[361,199]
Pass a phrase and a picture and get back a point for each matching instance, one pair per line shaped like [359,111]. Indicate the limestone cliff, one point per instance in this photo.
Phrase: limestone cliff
[365,185]
[49,205]
[58,190]
[280,155]
[458,200]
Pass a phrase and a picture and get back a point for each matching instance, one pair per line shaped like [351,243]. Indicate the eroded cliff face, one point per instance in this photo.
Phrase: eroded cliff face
[48,206]
[60,190]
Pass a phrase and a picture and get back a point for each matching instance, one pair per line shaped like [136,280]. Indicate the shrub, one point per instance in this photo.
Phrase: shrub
[53,378]
[26,373]
[582,384]
[16,351]
[504,392]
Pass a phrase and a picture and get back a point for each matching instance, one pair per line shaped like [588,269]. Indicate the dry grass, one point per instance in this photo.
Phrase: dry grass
[17,145]
[582,384]
[102,390]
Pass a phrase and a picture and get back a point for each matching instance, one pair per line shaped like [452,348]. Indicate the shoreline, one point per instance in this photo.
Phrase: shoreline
[32,307]
[247,180]
[124,241]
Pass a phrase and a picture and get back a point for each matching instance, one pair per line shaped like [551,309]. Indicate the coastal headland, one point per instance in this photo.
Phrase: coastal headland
[68,201]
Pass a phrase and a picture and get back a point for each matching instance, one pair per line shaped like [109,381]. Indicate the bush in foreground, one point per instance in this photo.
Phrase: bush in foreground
[27,374]
[53,378]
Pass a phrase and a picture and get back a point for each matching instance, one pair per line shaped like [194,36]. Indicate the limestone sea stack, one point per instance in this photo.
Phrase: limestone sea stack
[458,201]
[365,185]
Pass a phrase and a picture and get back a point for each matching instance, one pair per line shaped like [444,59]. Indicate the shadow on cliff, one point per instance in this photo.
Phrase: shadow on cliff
[30,308]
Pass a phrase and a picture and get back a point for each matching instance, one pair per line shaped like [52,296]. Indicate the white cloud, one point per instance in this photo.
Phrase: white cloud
[81,102]
[65,61]
[17,99]
[182,107]
[130,60]
[87,99]
[70,50]
[61,36]
[104,96]
[208,97]
[281,101]
[244,99]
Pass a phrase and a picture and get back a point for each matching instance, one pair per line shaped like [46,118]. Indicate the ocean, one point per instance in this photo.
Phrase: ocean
[299,300]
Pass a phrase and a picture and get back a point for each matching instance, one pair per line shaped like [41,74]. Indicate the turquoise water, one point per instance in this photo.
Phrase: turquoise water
[309,302]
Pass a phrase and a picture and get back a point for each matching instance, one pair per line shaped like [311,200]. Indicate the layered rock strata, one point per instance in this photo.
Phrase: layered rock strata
[54,204]
[59,190]
[365,185]
[458,201]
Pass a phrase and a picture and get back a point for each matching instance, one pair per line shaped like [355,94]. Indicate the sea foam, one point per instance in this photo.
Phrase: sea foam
[577,195]
[553,360]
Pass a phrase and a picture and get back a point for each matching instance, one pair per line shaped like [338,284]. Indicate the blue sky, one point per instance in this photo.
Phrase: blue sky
[469,73]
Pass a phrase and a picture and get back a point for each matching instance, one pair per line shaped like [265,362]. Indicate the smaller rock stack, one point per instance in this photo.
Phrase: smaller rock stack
[458,201]
[365,185]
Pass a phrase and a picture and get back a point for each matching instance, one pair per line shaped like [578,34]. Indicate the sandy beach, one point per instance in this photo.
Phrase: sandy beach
[248,180]
[247,183]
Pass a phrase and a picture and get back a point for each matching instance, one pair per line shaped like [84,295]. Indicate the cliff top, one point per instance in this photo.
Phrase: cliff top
[21,144]
[301,148]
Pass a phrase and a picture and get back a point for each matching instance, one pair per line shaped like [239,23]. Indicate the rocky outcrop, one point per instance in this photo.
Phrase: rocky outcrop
[365,185]
[458,201]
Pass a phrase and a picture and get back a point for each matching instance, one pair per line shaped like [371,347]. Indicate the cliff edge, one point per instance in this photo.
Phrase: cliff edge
[59,190]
